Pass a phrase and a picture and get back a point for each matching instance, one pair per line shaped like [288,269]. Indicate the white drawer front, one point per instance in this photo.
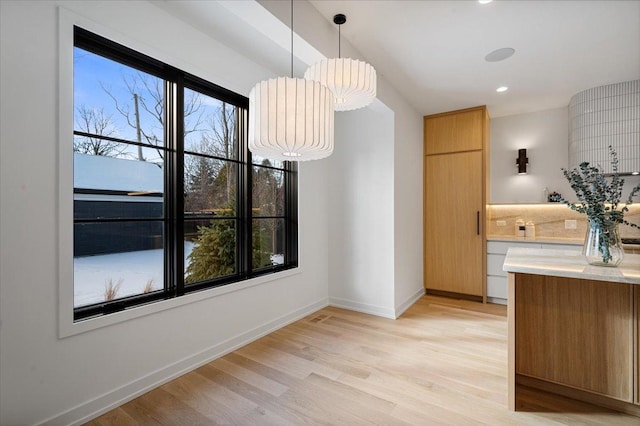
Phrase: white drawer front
[494,265]
[501,247]
[573,247]
[497,287]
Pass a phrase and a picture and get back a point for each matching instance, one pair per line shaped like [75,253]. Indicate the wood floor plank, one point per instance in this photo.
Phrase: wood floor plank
[443,362]
[117,417]
[160,407]
[270,386]
[209,398]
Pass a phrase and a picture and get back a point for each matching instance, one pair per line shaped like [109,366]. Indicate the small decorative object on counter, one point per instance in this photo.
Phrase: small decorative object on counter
[520,228]
[603,242]
[599,200]
[554,197]
[530,230]
[545,194]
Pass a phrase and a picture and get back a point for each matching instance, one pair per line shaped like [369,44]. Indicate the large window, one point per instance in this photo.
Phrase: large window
[167,197]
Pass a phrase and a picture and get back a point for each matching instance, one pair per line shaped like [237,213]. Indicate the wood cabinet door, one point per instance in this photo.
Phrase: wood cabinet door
[454,132]
[453,221]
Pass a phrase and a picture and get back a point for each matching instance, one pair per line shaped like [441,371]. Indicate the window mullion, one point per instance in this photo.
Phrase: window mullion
[291,213]
[174,249]
[178,122]
[244,234]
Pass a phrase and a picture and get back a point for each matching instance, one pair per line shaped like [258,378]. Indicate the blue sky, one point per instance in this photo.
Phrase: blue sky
[92,71]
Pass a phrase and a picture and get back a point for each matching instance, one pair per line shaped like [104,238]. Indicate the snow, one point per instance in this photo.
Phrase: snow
[133,269]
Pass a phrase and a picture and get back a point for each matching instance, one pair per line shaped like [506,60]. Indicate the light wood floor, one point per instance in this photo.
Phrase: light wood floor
[443,362]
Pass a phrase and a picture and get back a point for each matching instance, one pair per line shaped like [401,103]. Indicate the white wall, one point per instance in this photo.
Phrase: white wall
[361,259]
[43,377]
[545,136]
[403,166]
[407,201]
[48,379]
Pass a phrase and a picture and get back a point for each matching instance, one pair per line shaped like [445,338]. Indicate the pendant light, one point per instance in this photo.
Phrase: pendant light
[291,119]
[352,82]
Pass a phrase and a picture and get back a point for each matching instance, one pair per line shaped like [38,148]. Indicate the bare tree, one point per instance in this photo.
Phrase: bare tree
[148,92]
[221,137]
[94,121]
[211,183]
[221,133]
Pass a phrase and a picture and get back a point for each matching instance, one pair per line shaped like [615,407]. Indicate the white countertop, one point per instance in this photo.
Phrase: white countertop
[570,264]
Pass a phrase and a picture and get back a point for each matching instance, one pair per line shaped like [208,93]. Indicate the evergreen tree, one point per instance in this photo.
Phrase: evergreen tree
[214,254]
[262,243]
[199,185]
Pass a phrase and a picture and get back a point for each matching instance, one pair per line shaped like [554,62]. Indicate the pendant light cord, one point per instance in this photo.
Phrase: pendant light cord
[291,38]
[339,19]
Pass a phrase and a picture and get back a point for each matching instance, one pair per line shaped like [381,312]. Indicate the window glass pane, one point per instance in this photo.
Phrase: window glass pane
[268,192]
[268,242]
[107,187]
[103,148]
[261,161]
[209,186]
[210,125]
[92,206]
[112,260]
[112,99]
[210,249]
[125,184]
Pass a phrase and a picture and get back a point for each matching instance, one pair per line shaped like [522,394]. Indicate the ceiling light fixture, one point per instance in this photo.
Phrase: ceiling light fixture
[352,82]
[500,54]
[484,1]
[291,119]
[502,89]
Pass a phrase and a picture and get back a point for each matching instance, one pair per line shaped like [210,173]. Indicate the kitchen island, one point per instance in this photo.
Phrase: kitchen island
[574,328]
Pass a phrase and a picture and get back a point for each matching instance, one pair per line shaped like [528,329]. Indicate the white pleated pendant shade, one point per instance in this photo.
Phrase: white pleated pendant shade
[352,82]
[291,119]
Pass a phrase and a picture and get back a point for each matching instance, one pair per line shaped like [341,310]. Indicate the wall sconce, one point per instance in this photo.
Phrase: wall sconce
[522,161]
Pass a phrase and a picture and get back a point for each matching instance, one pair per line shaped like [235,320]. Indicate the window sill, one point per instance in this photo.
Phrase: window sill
[68,329]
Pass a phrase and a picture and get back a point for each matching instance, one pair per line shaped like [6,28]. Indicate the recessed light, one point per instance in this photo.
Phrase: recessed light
[502,89]
[484,1]
[500,54]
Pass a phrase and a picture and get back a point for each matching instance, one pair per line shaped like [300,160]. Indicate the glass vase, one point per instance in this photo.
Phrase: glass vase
[602,244]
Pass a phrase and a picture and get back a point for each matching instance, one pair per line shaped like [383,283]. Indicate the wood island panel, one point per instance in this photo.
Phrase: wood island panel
[576,332]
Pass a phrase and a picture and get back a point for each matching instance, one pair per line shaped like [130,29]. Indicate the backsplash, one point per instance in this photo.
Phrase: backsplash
[549,220]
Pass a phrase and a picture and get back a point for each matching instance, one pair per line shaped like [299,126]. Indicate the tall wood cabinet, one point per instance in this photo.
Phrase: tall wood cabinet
[455,176]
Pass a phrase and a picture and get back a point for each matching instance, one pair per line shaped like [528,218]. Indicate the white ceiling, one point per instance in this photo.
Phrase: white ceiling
[433,52]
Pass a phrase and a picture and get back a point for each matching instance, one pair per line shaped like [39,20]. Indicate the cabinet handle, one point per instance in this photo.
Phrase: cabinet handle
[478,222]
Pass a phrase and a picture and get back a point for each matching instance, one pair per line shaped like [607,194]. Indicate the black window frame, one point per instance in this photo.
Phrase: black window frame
[176,81]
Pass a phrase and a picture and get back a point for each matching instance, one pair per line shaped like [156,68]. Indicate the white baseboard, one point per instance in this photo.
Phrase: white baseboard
[400,309]
[365,308]
[112,399]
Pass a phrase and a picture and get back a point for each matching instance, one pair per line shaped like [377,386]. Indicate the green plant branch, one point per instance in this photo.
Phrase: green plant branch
[599,199]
